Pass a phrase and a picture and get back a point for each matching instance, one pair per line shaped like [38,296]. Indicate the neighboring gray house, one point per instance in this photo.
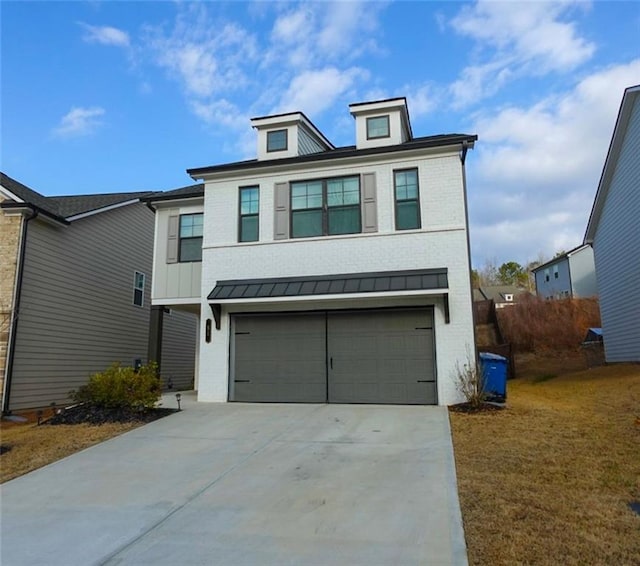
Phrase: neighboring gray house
[75,284]
[501,295]
[614,232]
[569,275]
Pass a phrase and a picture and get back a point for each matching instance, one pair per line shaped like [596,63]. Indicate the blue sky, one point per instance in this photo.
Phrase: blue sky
[125,96]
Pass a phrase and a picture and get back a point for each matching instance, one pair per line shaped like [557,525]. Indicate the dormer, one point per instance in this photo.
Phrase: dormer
[381,123]
[288,135]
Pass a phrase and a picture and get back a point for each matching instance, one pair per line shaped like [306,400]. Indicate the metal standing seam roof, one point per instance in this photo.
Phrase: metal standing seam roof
[376,282]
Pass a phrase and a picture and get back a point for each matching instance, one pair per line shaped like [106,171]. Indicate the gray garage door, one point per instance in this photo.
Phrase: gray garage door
[382,356]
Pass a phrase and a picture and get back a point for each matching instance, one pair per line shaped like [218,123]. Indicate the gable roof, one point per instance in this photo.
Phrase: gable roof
[496,293]
[66,208]
[441,140]
[560,257]
[192,191]
[629,99]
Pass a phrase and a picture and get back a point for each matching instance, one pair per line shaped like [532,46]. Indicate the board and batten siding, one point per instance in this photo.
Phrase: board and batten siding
[77,315]
[179,337]
[617,252]
[306,143]
[174,280]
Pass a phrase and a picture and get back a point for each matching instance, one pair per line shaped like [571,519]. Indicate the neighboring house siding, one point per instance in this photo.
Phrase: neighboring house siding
[583,275]
[76,315]
[616,244]
[179,338]
[174,281]
[10,229]
[557,287]
[441,242]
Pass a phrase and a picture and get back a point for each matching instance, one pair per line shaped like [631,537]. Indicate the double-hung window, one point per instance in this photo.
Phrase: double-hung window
[325,207]
[190,248]
[249,209]
[407,199]
[138,288]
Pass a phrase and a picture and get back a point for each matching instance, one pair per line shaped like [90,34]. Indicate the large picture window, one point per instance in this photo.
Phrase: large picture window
[249,210]
[325,207]
[407,199]
[190,237]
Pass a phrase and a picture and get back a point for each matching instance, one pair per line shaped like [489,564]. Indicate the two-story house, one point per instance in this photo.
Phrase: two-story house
[568,275]
[326,274]
[74,294]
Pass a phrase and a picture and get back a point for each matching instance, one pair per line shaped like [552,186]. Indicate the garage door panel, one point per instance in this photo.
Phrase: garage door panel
[381,357]
[280,359]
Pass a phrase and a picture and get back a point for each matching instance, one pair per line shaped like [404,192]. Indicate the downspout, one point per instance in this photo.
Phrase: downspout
[6,394]
[463,157]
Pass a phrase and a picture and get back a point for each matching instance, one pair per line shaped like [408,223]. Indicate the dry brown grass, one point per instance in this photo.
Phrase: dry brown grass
[533,324]
[549,479]
[33,446]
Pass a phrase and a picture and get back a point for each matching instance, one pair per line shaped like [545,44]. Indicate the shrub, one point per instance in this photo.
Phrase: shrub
[122,388]
[470,381]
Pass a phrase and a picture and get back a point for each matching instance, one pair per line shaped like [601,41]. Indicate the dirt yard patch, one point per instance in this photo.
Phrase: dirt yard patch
[552,478]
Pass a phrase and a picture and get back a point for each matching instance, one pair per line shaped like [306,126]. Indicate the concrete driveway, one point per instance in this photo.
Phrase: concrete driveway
[248,484]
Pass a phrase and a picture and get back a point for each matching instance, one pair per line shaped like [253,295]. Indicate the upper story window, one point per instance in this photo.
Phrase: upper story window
[249,208]
[190,245]
[138,288]
[555,272]
[325,207]
[407,199]
[378,127]
[546,275]
[277,140]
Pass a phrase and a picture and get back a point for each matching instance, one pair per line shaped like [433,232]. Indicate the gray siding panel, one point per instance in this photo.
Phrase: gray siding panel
[77,314]
[179,337]
[306,144]
[616,248]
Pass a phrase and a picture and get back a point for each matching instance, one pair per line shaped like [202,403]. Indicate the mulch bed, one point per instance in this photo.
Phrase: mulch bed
[93,414]
[469,408]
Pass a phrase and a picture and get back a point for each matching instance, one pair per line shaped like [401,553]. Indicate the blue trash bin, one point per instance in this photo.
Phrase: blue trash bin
[494,370]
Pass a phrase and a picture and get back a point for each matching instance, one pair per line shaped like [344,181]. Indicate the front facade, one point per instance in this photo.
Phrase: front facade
[571,275]
[332,274]
[614,234]
[78,278]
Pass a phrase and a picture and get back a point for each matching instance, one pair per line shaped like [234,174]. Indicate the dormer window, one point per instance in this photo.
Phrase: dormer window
[378,127]
[277,140]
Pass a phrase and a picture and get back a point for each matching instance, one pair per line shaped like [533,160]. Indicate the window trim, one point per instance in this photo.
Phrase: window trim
[387,135]
[286,140]
[325,205]
[180,238]
[417,199]
[140,289]
[241,216]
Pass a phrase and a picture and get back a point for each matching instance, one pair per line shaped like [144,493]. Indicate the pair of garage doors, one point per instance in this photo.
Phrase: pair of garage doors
[371,356]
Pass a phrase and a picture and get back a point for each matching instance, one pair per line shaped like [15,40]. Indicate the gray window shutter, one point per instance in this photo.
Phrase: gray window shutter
[369,204]
[172,239]
[281,220]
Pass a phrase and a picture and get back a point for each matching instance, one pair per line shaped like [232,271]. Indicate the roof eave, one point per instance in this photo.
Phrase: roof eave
[622,122]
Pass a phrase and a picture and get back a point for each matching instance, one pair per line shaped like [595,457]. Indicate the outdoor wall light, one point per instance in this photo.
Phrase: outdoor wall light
[178,397]
[207,331]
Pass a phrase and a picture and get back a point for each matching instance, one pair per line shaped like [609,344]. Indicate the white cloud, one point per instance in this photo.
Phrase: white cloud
[204,56]
[105,35]
[79,122]
[536,168]
[517,39]
[315,91]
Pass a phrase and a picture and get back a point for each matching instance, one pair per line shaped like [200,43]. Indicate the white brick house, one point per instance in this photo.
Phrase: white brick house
[330,274]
